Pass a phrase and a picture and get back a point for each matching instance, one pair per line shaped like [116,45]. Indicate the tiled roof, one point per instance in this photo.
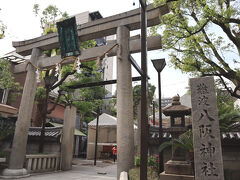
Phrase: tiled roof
[76,131]
[49,131]
[224,135]
[235,126]
[15,57]
[232,135]
[176,108]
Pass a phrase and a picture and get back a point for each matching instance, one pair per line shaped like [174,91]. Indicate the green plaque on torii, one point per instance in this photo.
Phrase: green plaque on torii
[68,37]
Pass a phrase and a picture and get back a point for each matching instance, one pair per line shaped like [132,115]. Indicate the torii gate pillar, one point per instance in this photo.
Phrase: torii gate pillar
[68,137]
[18,153]
[125,133]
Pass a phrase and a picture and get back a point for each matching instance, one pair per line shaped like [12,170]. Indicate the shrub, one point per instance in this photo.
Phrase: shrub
[137,161]
[152,162]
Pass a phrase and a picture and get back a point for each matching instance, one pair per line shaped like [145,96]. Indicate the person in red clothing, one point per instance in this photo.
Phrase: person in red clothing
[114,151]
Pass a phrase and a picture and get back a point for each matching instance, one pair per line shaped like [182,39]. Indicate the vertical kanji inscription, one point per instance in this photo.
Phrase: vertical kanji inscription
[206,134]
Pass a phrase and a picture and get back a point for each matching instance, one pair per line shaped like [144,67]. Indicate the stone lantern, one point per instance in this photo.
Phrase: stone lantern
[177,168]
[176,111]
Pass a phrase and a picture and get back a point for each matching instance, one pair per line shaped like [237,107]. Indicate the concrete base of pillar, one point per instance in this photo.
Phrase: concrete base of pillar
[177,170]
[164,176]
[178,167]
[14,173]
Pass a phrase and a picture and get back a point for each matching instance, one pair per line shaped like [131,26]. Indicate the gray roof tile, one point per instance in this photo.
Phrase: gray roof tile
[49,131]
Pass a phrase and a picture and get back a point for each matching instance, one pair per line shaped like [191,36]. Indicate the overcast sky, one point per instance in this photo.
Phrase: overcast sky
[22,24]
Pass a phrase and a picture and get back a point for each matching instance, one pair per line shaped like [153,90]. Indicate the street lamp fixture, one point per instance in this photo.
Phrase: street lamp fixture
[159,65]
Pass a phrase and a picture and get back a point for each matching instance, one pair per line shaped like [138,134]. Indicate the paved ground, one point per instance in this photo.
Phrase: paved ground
[82,170]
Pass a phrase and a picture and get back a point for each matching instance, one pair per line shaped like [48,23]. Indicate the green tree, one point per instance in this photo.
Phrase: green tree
[227,113]
[2,28]
[48,24]
[52,81]
[48,17]
[7,79]
[227,117]
[111,107]
[184,141]
[137,96]
[203,37]
[85,99]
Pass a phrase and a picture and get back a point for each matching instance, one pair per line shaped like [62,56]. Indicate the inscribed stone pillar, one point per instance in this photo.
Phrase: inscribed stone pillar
[68,137]
[206,134]
[125,133]
[18,152]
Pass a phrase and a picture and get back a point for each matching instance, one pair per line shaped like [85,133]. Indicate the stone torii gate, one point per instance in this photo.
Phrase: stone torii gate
[120,24]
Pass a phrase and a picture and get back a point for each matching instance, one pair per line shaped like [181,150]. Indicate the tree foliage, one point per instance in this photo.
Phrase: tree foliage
[85,99]
[6,127]
[227,113]
[137,96]
[111,106]
[48,24]
[52,80]
[227,117]
[2,28]
[184,141]
[6,78]
[48,17]
[203,37]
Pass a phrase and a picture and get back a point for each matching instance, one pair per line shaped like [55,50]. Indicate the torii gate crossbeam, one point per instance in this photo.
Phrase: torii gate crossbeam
[153,42]
[95,29]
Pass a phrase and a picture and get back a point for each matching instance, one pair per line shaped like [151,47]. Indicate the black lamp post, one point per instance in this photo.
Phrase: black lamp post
[159,65]
[153,111]
[144,94]
[96,137]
